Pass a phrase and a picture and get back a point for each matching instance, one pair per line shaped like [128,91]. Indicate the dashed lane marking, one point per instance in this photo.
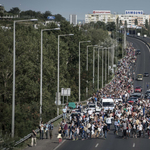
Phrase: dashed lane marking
[96,145]
[133,144]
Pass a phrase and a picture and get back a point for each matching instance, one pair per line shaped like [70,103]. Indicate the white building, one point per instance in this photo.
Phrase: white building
[73,19]
[100,15]
[129,17]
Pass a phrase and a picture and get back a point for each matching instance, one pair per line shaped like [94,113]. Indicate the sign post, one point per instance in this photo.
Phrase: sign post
[65,92]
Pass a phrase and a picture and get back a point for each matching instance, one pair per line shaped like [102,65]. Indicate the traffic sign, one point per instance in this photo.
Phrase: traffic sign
[65,91]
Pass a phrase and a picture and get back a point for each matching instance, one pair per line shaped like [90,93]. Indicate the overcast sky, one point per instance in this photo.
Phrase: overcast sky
[78,7]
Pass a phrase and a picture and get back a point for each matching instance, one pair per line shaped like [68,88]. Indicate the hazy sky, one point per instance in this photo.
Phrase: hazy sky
[78,7]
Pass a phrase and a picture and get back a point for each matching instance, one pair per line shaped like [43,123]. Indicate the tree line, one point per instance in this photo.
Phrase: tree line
[27,104]
[32,14]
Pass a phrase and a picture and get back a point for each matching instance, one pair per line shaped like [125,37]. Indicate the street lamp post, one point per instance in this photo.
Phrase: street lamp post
[41,71]
[105,66]
[98,69]
[102,65]
[108,59]
[79,67]
[58,69]
[87,68]
[14,75]
[93,66]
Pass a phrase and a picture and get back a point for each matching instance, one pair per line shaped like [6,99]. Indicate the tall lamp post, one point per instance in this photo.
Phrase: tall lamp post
[105,65]
[14,75]
[94,65]
[108,60]
[58,69]
[87,68]
[98,69]
[79,67]
[41,71]
[102,64]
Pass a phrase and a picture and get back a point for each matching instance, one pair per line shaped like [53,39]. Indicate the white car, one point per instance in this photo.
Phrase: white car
[91,107]
[117,100]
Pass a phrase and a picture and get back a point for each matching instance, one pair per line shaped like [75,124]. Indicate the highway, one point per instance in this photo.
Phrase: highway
[114,142]
[142,64]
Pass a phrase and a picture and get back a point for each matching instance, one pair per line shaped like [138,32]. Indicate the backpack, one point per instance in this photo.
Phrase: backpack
[85,129]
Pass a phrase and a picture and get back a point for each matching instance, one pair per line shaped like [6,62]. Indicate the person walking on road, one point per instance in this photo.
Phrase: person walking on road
[140,128]
[64,113]
[33,138]
[147,85]
[41,130]
[105,130]
[59,134]
[124,129]
[50,127]
[134,130]
[148,131]
[46,130]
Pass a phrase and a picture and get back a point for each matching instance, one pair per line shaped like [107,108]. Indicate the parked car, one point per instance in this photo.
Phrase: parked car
[138,89]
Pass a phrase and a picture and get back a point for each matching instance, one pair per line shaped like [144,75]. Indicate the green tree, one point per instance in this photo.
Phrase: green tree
[111,26]
[136,22]
[121,22]
[59,18]
[46,14]
[146,24]
[14,10]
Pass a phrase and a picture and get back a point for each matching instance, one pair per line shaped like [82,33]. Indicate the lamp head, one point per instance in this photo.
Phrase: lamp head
[33,19]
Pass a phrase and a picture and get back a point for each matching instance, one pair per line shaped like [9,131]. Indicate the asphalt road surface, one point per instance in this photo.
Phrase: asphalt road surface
[115,142]
[142,63]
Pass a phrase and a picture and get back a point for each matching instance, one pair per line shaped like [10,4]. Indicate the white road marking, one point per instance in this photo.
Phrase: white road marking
[133,144]
[59,144]
[96,145]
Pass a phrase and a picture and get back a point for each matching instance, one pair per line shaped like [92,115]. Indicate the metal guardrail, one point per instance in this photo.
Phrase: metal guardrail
[37,130]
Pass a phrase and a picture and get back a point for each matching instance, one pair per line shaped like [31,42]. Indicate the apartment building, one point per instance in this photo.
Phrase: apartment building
[107,16]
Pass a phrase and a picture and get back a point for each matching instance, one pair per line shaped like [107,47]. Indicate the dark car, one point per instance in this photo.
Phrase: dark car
[137,95]
[147,93]
[146,74]
[138,52]
[148,97]
[132,100]
[138,89]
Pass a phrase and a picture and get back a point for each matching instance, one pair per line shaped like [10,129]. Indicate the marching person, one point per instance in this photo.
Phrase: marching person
[51,130]
[41,130]
[33,138]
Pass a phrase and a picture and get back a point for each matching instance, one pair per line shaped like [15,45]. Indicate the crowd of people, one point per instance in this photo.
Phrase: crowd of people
[126,119]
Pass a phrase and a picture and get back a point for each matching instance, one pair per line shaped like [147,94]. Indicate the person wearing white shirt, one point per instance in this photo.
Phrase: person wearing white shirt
[90,112]
[64,113]
[41,130]
[140,128]
[108,121]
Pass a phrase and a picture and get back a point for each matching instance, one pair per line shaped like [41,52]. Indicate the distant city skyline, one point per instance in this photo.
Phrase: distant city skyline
[78,7]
